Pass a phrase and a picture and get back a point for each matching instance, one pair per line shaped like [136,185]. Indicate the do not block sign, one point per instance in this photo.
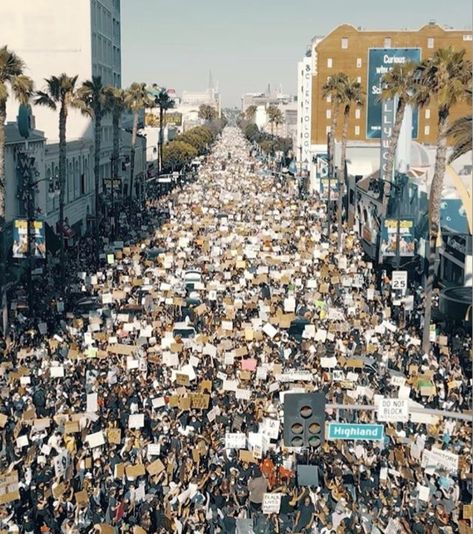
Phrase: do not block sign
[393,410]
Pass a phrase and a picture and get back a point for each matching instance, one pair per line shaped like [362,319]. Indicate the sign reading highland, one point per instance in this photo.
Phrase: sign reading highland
[381,61]
[304,109]
[355,432]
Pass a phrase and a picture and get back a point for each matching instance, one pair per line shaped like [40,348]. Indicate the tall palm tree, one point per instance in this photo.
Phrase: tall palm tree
[352,95]
[11,79]
[446,79]
[115,104]
[397,83]
[334,88]
[60,92]
[164,102]
[250,113]
[136,99]
[92,101]
[274,117]
[461,132]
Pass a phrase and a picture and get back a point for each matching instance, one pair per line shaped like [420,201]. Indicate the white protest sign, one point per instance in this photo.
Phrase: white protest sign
[95,440]
[91,403]
[136,420]
[271,503]
[235,440]
[438,458]
[399,281]
[393,410]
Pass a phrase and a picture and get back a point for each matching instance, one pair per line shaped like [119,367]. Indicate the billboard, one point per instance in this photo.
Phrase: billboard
[381,61]
[20,239]
[389,237]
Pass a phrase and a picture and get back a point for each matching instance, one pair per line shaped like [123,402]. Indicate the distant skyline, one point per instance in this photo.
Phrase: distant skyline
[248,44]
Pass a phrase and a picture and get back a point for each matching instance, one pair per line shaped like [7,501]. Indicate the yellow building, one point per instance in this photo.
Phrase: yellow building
[350,50]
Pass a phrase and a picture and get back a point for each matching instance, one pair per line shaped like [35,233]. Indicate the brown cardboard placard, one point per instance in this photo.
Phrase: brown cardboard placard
[103,528]
[184,403]
[182,379]
[205,385]
[155,467]
[81,497]
[58,490]
[134,471]
[247,457]
[200,401]
[114,435]
[119,470]
[71,427]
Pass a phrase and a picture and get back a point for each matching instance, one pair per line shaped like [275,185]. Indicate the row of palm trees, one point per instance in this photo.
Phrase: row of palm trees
[275,116]
[93,99]
[445,79]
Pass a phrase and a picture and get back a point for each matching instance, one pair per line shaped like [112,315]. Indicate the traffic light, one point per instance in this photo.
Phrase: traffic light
[304,419]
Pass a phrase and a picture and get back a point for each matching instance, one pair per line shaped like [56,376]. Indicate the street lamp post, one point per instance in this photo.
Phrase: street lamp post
[329,172]
[398,187]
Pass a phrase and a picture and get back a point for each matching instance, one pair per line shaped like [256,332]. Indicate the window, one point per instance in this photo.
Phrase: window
[358,62]
[387,42]
[357,113]
[344,42]
[328,113]
[467,37]
[327,129]
[358,79]
[329,62]
[427,113]
[426,130]
[329,98]
[430,42]
[357,129]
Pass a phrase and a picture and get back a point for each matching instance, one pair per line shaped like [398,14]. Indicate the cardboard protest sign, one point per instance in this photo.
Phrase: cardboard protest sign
[9,490]
[95,440]
[247,457]
[135,471]
[155,467]
[114,435]
[437,458]
[200,401]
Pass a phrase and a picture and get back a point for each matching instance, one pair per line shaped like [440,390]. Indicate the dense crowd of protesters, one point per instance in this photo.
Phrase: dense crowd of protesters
[120,417]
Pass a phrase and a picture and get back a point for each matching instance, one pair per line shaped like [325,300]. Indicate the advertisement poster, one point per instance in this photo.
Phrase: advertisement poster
[389,238]
[20,239]
[381,61]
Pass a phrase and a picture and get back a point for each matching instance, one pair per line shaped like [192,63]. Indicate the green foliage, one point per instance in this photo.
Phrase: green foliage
[176,154]
[268,143]
[207,113]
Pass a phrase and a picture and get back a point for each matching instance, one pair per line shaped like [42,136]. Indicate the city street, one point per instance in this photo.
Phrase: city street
[162,404]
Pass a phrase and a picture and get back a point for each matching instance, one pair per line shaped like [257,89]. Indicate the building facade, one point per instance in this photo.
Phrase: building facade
[76,38]
[352,51]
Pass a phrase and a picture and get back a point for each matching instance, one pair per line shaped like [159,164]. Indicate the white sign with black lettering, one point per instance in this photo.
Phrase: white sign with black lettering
[271,503]
[393,410]
[399,281]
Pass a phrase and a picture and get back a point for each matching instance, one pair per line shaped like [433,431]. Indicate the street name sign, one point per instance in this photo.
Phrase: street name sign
[355,432]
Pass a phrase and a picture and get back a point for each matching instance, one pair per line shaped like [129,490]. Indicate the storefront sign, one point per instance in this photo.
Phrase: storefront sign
[20,239]
[389,238]
[381,61]
[355,431]
[457,246]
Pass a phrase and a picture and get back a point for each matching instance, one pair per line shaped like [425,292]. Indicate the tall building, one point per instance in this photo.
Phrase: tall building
[365,55]
[77,38]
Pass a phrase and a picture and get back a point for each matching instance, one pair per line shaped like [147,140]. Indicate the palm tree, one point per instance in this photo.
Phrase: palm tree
[274,117]
[461,132]
[11,77]
[60,92]
[334,89]
[207,113]
[136,99]
[115,104]
[445,78]
[164,102]
[92,101]
[250,113]
[352,96]
[397,83]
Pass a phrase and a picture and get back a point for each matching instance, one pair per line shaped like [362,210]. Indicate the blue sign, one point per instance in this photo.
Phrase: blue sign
[355,432]
[381,61]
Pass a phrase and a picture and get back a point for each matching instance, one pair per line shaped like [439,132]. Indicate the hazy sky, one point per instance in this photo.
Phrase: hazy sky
[248,43]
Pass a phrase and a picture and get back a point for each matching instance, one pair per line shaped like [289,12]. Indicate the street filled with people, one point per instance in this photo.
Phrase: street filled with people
[155,404]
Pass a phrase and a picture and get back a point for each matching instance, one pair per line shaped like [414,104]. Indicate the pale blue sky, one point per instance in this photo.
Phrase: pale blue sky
[248,43]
